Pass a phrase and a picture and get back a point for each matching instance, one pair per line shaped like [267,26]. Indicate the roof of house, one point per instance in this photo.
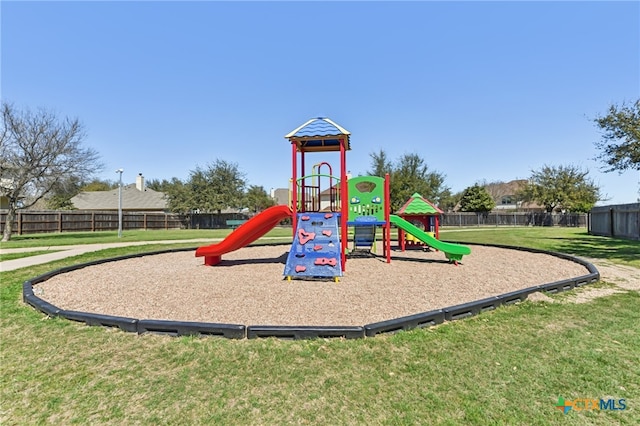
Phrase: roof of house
[418,205]
[132,199]
[499,190]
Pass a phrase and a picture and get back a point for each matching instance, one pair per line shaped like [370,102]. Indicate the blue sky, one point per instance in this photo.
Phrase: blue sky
[480,90]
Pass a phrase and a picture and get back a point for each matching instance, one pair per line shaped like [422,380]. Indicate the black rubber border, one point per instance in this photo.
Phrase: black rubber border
[304,332]
[184,328]
[239,331]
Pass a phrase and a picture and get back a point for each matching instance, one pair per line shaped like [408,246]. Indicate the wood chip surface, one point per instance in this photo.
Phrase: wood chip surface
[248,287]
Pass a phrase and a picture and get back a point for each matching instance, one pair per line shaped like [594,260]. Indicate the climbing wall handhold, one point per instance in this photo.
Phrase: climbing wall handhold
[326,261]
[305,237]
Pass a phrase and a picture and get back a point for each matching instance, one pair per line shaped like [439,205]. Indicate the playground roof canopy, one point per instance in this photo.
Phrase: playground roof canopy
[319,134]
[418,206]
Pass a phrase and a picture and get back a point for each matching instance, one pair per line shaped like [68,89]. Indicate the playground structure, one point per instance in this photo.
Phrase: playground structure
[365,206]
[320,230]
[416,210]
[422,210]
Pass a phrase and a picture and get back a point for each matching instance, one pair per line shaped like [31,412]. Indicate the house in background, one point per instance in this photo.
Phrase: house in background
[329,199]
[280,196]
[505,195]
[135,197]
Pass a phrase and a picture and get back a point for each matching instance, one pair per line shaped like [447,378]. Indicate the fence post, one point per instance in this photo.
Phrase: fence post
[144,221]
[19,223]
[611,216]
[59,221]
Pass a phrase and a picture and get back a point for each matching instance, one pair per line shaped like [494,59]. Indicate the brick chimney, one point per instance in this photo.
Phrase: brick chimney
[140,182]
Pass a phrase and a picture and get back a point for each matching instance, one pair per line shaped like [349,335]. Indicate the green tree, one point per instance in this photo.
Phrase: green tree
[257,199]
[620,143]
[380,164]
[161,185]
[218,186]
[412,175]
[449,201]
[408,175]
[38,153]
[98,185]
[165,186]
[561,187]
[177,192]
[477,199]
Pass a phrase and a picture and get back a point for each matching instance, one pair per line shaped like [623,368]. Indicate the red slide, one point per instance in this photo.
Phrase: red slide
[245,234]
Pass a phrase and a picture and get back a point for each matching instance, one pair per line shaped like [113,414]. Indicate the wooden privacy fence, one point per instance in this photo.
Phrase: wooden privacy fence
[620,221]
[31,222]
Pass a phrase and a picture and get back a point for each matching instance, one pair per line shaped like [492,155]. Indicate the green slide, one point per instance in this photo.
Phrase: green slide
[453,252]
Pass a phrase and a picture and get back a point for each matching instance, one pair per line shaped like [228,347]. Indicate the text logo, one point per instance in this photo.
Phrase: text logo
[591,404]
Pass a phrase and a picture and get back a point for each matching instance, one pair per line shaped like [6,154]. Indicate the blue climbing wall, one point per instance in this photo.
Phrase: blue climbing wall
[315,251]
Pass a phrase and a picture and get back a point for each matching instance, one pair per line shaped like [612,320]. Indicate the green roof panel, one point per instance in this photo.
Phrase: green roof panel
[417,205]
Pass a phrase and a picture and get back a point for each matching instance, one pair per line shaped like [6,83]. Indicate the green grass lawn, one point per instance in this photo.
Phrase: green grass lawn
[575,241]
[507,366]
[12,256]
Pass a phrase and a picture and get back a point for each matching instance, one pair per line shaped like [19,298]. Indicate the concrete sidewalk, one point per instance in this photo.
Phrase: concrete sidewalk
[61,252]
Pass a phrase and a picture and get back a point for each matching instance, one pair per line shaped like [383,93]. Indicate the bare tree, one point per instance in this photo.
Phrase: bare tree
[38,152]
[495,189]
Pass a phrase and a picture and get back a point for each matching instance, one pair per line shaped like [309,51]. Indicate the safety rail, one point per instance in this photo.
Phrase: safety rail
[311,197]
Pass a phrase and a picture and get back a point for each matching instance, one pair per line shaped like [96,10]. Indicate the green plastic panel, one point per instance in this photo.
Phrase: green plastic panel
[366,197]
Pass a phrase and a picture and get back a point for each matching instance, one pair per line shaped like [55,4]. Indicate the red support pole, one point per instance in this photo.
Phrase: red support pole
[344,200]
[387,214]
[294,188]
[303,192]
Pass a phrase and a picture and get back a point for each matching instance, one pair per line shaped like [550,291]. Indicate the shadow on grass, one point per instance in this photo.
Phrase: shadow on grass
[599,247]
